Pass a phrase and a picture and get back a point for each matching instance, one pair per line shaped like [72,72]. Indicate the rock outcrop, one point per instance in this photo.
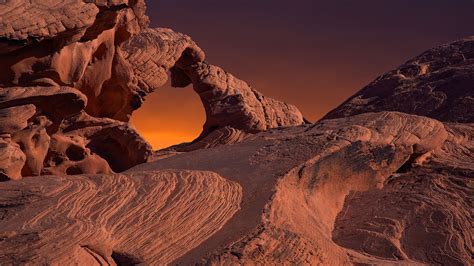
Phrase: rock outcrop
[233,108]
[368,187]
[64,97]
[317,205]
[76,70]
[437,84]
[128,221]
[269,204]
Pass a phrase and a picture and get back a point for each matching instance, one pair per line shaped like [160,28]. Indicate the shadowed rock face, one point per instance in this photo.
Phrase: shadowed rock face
[259,185]
[439,84]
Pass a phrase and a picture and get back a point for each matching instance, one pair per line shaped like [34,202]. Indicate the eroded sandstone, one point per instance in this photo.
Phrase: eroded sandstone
[76,70]
[437,84]
[259,186]
[233,108]
[63,74]
[292,208]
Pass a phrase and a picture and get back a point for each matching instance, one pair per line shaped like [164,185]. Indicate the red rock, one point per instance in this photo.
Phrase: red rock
[259,186]
[273,206]
[231,104]
[75,44]
[436,84]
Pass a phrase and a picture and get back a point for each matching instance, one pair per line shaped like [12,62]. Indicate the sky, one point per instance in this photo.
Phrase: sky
[310,53]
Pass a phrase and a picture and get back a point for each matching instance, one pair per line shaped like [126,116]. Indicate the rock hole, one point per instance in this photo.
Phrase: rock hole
[170,116]
[4,177]
[187,57]
[123,259]
[75,153]
[57,160]
[408,165]
[73,170]
[100,53]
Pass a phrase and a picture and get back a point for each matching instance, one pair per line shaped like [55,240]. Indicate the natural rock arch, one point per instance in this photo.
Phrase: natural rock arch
[77,80]
[232,107]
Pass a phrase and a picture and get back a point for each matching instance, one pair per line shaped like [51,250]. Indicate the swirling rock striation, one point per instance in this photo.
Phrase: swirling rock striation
[112,219]
[304,190]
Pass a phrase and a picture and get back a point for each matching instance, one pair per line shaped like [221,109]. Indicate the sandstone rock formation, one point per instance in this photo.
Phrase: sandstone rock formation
[295,207]
[233,108]
[72,43]
[231,105]
[63,73]
[368,187]
[437,84]
[76,70]
[137,224]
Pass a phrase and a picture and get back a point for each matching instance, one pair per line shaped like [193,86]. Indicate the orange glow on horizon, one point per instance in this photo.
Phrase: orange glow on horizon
[164,139]
[170,116]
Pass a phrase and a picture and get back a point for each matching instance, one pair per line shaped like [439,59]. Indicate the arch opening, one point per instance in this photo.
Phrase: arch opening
[170,116]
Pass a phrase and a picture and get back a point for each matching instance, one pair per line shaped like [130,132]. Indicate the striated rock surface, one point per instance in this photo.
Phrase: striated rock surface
[367,188]
[290,195]
[299,185]
[437,84]
[24,22]
[112,219]
[154,52]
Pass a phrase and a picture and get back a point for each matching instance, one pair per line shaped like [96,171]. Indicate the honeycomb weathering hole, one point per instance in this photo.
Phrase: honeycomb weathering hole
[123,259]
[75,153]
[74,170]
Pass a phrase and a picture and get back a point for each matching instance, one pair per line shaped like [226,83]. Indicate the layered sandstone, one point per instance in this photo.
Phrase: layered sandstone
[259,186]
[129,218]
[276,205]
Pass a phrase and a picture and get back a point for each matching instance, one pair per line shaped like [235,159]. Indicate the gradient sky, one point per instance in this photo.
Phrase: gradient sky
[311,53]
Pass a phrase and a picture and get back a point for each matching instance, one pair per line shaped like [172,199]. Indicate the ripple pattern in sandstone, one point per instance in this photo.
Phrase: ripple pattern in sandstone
[156,216]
